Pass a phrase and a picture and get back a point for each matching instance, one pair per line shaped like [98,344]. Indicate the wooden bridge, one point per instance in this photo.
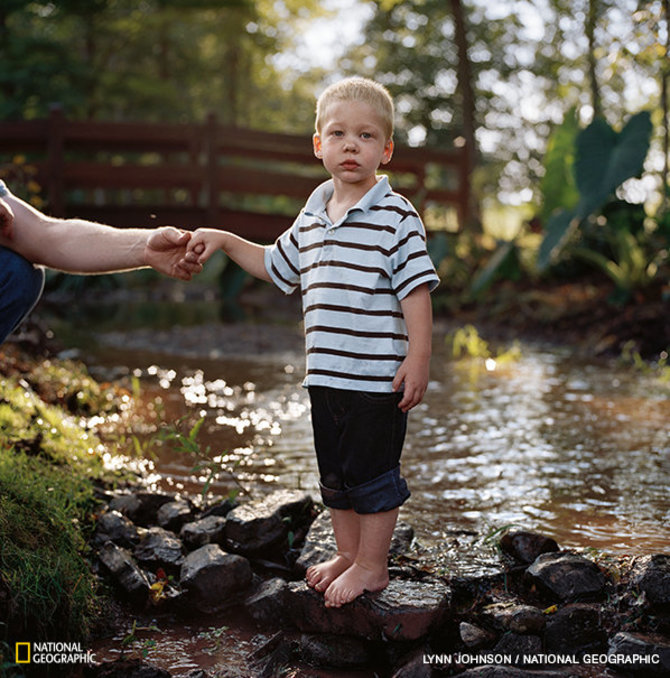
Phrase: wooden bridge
[205,174]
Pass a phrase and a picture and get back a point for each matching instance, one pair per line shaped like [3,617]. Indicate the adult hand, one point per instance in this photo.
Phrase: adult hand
[6,220]
[165,251]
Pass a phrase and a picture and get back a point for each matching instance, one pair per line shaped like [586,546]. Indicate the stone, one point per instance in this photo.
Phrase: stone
[267,604]
[526,546]
[320,544]
[268,660]
[575,629]
[172,515]
[518,646]
[511,616]
[124,571]
[140,507]
[214,580]
[263,525]
[208,530]
[651,575]
[567,576]
[159,548]
[414,665]
[115,527]
[510,672]
[473,636]
[649,656]
[125,668]
[331,651]
[404,610]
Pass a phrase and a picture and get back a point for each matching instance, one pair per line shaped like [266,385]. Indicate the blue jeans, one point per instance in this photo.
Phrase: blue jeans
[21,285]
[358,438]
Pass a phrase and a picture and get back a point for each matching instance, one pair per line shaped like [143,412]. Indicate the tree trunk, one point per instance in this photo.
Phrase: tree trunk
[470,220]
[665,104]
[591,22]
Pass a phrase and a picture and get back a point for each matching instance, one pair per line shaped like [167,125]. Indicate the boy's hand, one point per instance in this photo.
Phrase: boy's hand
[413,373]
[6,220]
[204,242]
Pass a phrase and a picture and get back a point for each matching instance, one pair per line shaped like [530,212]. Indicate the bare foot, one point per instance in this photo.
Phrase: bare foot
[353,582]
[319,577]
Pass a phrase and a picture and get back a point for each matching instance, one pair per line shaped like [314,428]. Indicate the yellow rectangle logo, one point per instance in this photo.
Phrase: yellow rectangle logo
[23,653]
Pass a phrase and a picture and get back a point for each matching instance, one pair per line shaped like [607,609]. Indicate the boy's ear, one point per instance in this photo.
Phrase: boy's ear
[316,143]
[388,152]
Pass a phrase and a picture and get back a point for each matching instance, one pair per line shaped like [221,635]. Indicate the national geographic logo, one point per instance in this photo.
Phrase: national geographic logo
[52,653]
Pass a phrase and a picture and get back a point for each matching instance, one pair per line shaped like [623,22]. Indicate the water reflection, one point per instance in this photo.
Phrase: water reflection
[579,451]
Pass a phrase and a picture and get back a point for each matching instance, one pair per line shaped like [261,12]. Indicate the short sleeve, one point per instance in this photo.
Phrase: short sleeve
[282,260]
[410,261]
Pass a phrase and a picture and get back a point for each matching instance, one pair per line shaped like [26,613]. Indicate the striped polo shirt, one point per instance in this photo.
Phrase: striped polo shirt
[352,275]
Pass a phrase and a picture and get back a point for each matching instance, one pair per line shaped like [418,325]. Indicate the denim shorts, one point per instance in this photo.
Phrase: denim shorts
[21,286]
[358,438]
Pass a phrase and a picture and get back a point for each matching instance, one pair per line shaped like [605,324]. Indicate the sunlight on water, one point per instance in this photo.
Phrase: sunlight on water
[579,451]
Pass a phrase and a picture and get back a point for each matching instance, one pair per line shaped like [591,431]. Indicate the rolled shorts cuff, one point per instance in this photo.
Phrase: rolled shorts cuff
[384,493]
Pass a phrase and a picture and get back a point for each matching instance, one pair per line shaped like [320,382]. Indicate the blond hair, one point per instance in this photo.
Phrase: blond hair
[357,89]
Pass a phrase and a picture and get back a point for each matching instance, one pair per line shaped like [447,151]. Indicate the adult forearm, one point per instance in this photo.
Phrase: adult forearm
[73,245]
[79,246]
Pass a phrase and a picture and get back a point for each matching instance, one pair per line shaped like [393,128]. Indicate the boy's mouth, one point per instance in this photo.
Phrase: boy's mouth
[349,165]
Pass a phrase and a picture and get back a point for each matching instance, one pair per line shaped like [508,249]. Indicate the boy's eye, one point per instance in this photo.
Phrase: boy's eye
[366,135]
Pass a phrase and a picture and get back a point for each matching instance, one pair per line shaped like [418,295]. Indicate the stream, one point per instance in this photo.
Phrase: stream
[577,450]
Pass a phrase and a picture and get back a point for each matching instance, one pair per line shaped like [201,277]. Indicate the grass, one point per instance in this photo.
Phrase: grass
[48,467]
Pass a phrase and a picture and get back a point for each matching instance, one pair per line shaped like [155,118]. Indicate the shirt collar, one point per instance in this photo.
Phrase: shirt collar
[317,201]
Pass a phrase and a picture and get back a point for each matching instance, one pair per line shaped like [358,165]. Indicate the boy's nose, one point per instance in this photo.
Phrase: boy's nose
[350,145]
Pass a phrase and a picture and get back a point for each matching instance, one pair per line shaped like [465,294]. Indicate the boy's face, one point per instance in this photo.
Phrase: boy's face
[352,142]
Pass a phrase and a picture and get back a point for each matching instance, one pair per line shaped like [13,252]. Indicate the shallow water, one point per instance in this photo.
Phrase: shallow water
[579,451]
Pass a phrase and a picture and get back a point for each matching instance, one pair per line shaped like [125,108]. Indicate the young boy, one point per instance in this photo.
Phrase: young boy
[357,250]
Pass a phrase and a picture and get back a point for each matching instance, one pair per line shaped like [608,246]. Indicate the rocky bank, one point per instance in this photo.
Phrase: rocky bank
[542,611]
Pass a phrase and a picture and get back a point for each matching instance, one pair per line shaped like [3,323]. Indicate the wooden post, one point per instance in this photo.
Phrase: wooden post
[55,161]
[211,145]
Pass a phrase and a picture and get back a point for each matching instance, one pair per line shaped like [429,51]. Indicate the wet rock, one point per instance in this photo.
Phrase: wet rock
[414,665]
[518,646]
[159,548]
[214,580]
[567,576]
[651,574]
[404,610]
[124,571]
[267,604]
[646,655]
[172,515]
[526,546]
[510,672]
[125,668]
[330,651]
[221,509]
[320,542]
[515,617]
[259,526]
[269,659]
[140,507]
[473,636]
[575,629]
[115,527]
[209,530]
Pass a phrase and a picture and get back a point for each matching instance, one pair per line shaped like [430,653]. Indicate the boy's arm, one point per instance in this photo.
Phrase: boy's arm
[414,370]
[250,256]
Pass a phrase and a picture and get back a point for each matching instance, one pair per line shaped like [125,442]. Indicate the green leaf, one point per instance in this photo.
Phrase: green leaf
[501,257]
[559,228]
[605,159]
